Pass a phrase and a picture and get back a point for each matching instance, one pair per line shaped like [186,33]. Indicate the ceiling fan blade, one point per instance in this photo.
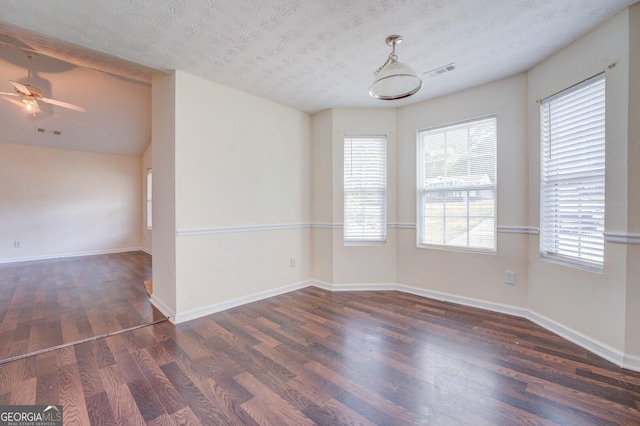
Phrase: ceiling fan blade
[9,94]
[64,104]
[21,88]
[36,107]
[18,103]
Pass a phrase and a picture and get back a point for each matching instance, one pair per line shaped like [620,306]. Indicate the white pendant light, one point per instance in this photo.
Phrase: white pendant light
[394,80]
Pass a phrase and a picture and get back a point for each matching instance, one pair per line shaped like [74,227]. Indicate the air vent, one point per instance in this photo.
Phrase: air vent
[42,130]
[441,70]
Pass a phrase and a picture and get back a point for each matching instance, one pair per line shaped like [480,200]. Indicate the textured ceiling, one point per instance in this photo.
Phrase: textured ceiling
[310,55]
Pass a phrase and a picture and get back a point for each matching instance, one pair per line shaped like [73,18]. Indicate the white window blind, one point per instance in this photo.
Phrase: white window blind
[365,189]
[149,199]
[457,185]
[572,127]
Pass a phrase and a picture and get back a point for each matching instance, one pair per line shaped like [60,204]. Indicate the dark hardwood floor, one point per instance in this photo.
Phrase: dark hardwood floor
[316,357]
[47,303]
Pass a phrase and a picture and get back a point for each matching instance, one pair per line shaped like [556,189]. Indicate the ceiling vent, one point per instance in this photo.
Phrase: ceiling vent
[55,132]
[441,70]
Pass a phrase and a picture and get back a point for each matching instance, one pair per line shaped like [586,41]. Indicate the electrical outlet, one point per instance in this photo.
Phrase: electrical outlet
[509,277]
[292,262]
[16,244]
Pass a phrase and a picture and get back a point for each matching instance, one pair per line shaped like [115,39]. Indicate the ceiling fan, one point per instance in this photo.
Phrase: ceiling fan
[31,95]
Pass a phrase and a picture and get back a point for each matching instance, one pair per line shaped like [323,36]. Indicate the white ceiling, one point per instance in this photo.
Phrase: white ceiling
[310,55]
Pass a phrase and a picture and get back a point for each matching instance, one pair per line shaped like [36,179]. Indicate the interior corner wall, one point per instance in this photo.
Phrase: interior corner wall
[163,193]
[147,234]
[460,273]
[589,303]
[242,190]
[58,203]
[632,338]
[322,196]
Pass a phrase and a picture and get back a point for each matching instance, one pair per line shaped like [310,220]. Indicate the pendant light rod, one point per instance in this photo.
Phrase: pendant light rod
[392,40]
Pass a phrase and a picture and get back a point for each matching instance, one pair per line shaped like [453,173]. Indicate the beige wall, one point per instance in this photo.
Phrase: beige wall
[467,274]
[61,202]
[241,163]
[333,262]
[590,303]
[363,264]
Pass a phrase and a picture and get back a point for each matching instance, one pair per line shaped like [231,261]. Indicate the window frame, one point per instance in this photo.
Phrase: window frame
[362,240]
[544,248]
[149,198]
[420,191]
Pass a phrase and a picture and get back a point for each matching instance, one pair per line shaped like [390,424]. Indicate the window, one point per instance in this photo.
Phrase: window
[149,203]
[365,190]
[572,130]
[457,185]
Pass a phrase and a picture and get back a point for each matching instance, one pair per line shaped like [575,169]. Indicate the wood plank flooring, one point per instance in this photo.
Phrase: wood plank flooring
[316,357]
[46,303]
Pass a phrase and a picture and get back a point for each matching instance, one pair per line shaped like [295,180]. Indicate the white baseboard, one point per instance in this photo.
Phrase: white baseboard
[601,349]
[630,362]
[202,311]
[430,294]
[163,307]
[65,255]
[146,250]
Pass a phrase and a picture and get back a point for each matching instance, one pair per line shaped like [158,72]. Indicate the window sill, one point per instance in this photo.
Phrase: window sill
[598,268]
[364,243]
[457,248]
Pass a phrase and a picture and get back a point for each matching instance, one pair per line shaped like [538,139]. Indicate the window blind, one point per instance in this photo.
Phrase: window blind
[365,189]
[573,175]
[457,185]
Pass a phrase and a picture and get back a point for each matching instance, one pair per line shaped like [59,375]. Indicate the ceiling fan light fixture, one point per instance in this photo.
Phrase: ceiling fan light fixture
[29,104]
[394,80]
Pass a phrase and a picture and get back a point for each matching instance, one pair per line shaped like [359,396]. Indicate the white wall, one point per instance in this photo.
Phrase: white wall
[466,274]
[242,163]
[62,202]
[589,303]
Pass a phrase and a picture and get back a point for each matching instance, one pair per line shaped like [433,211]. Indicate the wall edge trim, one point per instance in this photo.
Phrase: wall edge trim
[622,237]
[273,227]
[238,229]
[531,230]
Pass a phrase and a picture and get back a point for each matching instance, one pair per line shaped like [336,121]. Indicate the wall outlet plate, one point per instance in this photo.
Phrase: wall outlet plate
[509,277]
